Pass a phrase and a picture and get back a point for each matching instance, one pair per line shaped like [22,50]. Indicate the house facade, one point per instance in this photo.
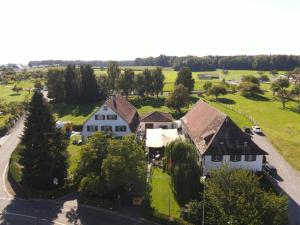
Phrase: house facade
[219,140]
[116,115]
[156,120]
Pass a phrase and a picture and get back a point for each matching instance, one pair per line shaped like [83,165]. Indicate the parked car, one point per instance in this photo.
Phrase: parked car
[247,130]
[270,169]
[257,130]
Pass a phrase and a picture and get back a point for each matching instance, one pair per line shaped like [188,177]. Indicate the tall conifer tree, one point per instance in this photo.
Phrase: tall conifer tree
[44,157]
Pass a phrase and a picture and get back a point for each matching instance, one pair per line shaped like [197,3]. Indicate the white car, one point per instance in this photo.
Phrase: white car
[257,130]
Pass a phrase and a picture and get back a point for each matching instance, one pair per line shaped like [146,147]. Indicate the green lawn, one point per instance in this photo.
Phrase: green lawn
[77,114]
[8,95]
[160,194]
[281,126]
[74,156]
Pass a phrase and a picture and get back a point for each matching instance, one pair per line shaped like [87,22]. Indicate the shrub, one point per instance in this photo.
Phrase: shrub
[297,108]
[249,89]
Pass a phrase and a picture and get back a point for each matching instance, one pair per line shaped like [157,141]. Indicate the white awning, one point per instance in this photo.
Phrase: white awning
[157,138]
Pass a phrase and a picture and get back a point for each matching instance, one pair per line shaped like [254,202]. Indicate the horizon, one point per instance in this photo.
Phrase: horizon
[125,30]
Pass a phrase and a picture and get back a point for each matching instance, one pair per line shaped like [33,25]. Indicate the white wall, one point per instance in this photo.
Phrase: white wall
[157,125]
[99,123]
[209,165]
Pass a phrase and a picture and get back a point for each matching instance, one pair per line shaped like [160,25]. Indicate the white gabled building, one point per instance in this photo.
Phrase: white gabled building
[116,115]
[155,120]
[219,140]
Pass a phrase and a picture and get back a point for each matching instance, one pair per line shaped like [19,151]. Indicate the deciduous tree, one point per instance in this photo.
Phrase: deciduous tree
[56,85]
[113,73]
[126,81]
[217,90]
[158,80]
[90,92]
[179,98]
[185,78]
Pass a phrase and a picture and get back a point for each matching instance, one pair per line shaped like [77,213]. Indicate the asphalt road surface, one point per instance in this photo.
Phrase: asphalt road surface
[288,177]
[14,211]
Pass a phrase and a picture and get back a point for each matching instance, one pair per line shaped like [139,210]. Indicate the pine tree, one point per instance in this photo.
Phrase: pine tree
[44,156]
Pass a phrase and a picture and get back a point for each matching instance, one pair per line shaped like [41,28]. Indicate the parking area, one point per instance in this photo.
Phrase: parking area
[288,178]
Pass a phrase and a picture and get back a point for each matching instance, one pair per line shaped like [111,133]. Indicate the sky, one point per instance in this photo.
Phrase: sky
[126,29]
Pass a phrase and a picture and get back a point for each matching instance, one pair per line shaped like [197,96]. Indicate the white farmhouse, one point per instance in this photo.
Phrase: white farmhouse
[219,140]
[116,115]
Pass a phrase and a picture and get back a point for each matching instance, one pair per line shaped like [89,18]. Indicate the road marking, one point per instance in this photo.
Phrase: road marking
[31,217]
[17,214]
[4,181]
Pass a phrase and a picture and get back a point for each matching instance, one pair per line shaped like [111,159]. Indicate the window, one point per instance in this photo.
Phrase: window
[250,158]
[111,117]
[105,108]
[216,158]
[91,128]
[99,117]
[120,128]
[235,158]
[164,127]
[106,128]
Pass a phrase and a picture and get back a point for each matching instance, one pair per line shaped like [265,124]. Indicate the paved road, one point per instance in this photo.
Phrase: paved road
[41,212]
[290,178]
[8,144]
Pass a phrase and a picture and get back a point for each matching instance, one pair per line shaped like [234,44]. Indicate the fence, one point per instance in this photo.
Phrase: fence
[249,117]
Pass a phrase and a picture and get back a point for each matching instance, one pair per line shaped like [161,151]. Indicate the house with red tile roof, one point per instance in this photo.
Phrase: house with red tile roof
[219,140]
[116,115]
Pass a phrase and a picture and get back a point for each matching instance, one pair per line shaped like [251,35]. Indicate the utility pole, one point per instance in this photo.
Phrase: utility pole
[203,181]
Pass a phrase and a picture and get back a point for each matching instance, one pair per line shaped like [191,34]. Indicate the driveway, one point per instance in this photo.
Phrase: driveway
[290,178]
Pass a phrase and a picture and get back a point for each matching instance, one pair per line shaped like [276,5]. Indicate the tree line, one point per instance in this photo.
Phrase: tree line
[205,63]
[64,63]
[208,63]
[74,85]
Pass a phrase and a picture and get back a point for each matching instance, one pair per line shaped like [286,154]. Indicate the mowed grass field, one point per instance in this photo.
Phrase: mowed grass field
[7,94]
[161,192]
[281,126]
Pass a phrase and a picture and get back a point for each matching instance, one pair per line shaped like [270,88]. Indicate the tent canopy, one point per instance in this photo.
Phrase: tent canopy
[157,138]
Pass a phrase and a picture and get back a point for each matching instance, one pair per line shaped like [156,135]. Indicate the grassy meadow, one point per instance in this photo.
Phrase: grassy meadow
[7,94]
[161,192]
[281,126]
